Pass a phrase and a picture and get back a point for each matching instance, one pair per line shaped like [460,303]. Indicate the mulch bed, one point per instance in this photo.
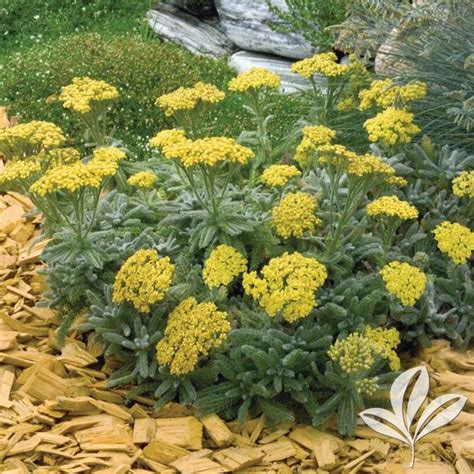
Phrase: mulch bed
[58,416]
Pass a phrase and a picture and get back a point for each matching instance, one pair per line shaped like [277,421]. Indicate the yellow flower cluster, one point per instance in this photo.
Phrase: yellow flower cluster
[294,215]
[353,354]
[324,63]
[223,265]
[81,95]
[143,280]
[367,386]
[358,351]
[287,285]
[455,240]
[314,136]
[391,206]
[384,93]
[37,134]
[463,185]
[61,156]
[105,161]
[170,142]
[186,98]
[370,165]
[404,281]
[18,170]
[211,151]
[392,126]
[78,175]
[192,330]
[255,78]
[335,155]
[279,175]
[67,177]
[385,341]
[142,179]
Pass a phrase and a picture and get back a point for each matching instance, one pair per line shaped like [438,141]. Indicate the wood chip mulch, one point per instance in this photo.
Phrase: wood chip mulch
[57,415]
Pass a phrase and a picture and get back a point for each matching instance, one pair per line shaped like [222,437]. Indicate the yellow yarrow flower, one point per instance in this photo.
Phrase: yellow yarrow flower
[143,280]
[18,171]
[192,330]
[324,63]
[335,155]
[187,98]
[456,240]
[105,161]
[142,179]
[287,285]
[314,136]
[463,185]
[30,138]
[294,215]
[61,156]
[404,281]
[353,354]
[358,352]
[384,94]
[385,342]
[170,142]
[65,178]
[255,78]
[369,165]
[85,92]
[391,127]
[391,206]
[223,265]
[211,152]
[279,175]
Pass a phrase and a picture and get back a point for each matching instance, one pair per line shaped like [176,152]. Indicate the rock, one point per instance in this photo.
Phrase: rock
[291,83]
[201,8]
[247,24]
[199,36]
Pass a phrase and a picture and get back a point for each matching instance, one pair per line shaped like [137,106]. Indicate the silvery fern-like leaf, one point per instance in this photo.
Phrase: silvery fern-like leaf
[428,423]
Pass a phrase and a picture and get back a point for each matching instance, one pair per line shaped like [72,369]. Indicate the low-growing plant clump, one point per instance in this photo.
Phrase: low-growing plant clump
[246,274]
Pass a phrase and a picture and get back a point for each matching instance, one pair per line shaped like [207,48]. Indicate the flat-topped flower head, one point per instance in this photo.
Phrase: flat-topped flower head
[142,179]
[391,127]
[353,354]
[385,341]
[323,63]
[68,178]
[84,93]
[170,142]
[223,265]
[192,330]
[18,172]
[287,285]
[294,215]
[143,280]
[105,161]
[314,136]
[253,79]
[61,156]
[32,138]
[463,185]
[455,240]
[363,165]
[279,175]
[187,98]
[335,155]
[384,94]
[392,206]
[404,281]
[211,152]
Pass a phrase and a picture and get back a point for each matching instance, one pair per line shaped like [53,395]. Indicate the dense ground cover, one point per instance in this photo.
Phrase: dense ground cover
[233,248]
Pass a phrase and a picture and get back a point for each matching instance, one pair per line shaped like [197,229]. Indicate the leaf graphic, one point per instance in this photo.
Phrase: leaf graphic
[381,428]
[442,418]
[397,395]
[418,395]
